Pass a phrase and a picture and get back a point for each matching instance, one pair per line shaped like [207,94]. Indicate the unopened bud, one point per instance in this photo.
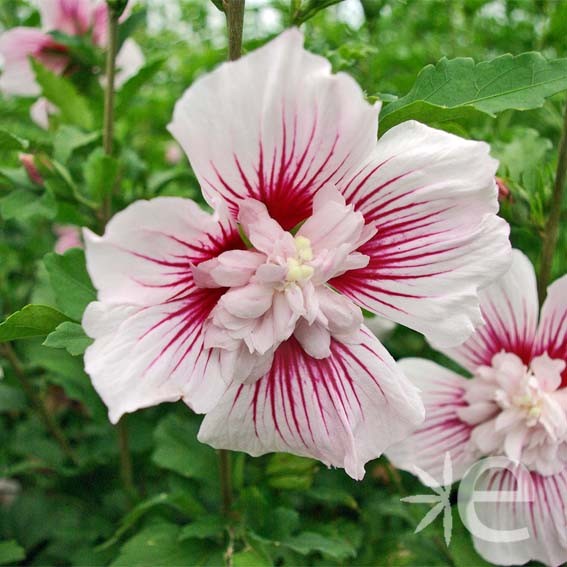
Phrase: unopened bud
[27,160]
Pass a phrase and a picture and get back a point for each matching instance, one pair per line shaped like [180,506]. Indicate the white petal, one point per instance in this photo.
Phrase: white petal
[510,309]
[544,517]
[145,356]
[146,253]
[276,126]
[443,432]
[343,410]
[433,199]
[315,339]
[552,330]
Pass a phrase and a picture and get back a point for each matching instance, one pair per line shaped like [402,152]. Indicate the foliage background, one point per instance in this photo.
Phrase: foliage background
[289,510]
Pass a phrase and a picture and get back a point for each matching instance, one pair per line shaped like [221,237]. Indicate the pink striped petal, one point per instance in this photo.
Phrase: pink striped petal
[539,506]
[510,310]
[147,251]
[443,431]
[275,126]
[143,356]
[142,267]
[433,199]
[343,410]
[552,330]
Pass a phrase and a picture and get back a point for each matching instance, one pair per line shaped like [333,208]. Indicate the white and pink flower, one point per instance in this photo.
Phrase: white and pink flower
[252,315]
[68,236]
[515,405]
[71,17]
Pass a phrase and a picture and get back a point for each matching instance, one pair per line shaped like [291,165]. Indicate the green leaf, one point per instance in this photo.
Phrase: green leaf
[31,321]
[67,371]
[100,174]
[250,558]
[70,282]
[11,552]
[290,472]
[11,142]
[307,542]
[462,549]
[62,93]
[133,516]
[203,528]
[521,82]
[130,88]
[69,138]
[178,450]
[159,544]
[69,336]
[23,205]
[306,10]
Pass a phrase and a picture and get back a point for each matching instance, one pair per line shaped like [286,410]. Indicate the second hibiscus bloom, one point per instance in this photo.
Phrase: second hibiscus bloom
[264,332]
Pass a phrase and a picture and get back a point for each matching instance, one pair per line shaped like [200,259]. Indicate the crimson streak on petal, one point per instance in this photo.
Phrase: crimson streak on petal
[329,409]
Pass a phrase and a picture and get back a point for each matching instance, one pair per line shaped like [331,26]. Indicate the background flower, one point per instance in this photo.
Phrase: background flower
[515,405]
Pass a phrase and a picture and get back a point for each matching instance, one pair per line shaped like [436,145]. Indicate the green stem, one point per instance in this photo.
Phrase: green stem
[114,11]
[108,123]
[225,481]
[234,10]
[551,234]
[126,470]
[48,419]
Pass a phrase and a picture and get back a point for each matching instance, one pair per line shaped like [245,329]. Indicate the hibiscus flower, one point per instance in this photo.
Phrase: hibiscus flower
[515,406]
[71,17]
[252,314]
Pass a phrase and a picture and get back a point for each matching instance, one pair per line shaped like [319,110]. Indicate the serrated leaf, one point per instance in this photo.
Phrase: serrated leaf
[159,544]
[11,552]
[508,82]
[100,174]
[74,108]
[70,282]
[11,142]
[69,336]
[31,321]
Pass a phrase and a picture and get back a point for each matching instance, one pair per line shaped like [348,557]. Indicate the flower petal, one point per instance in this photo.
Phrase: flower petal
[129,61]
[433,199]
[510,310]
[275,126]
[443,432]
[141,268]
[552,330]
[343,410]
[146,253]
[16,46]
[539,506]
[145,356]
